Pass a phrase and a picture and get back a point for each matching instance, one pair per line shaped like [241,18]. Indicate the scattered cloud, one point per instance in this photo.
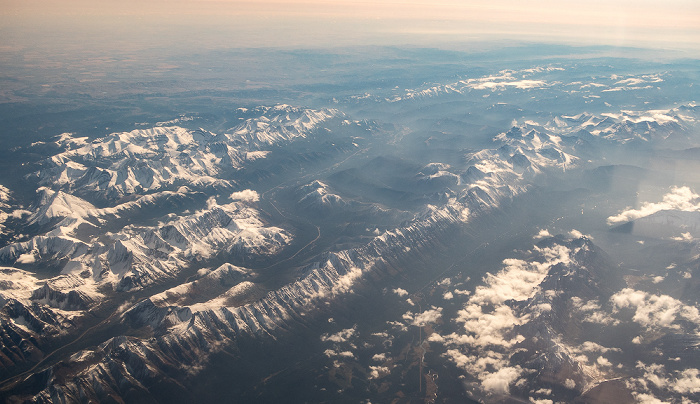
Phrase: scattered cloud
[543,391]
[592,310]
[500,85]
[401,292]
[485,344]
[680,198]
[648,399]
[18,213]
[380,357]
[676,384]
[603,362]
[590,346]
[435,337]
[544,233]
[687,382]
[683,237]
[517,281]
[654,311]
[340,336]
[498,382]
[376,372]
[398,325]
[211,202]
[574,234]
[247,195]
[27,258]
[445,282]
[343,354]
[431,315]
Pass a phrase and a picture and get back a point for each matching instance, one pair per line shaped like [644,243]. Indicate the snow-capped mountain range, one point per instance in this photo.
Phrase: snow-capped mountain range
[144,257]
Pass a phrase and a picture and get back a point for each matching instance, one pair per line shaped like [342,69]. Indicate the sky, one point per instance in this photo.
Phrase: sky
[672,24]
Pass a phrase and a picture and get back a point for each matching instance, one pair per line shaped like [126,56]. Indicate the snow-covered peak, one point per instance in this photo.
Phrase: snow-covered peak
[164,157]
[278,124]
[58,204]
[318,194]
[628,125]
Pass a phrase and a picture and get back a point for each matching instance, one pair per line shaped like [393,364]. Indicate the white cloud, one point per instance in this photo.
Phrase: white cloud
[654,311]
[589,305]
[592,309]
[398,325]
[522,84]
[573,234]
[254,155]
[435,337]
[18,213]
[333,353]
[544,233]
[655,376]
[569,384]
[211,202]
[247,195]
[431,315]
[401,292]
[648,399]
[445,282]
[680,198]
[459,359]
[378,371]
[688,382]
[448,296]
[517,281]
[345,282]
[484,329]
[604,362]
[600,317]
[483,347]
[543,391]
[498,382]
[380,357]
[27,258]
[340,336]
[683,237]
[590,346]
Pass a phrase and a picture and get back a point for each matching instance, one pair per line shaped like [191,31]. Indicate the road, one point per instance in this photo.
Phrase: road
[11,382]
[46,361]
